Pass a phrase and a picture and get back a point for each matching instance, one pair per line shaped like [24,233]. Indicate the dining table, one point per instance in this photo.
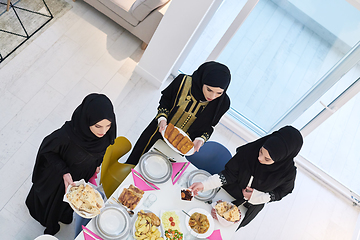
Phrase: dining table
[168,198]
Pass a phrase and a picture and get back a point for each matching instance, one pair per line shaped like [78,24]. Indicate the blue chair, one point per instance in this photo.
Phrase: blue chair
[211,157]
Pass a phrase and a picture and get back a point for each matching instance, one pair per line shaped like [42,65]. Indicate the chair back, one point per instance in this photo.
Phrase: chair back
[211,157]
[113,153]
[113,172]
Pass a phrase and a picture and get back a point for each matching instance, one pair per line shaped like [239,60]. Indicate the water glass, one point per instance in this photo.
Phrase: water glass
[150,200]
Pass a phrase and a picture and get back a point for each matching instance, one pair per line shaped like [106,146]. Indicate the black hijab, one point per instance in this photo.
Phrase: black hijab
[213,74]
[94,108]
[283,145]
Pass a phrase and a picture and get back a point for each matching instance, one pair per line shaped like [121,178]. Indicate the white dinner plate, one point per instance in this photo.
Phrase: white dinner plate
[190,152]
[200,175]
[113,222]
[211,222]
[155,168]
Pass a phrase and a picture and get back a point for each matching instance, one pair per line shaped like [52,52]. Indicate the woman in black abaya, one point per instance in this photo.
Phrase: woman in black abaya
[73,152]
[269,161]
[195,103]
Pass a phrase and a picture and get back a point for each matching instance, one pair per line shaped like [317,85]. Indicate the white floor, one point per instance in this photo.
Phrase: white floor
[85,52]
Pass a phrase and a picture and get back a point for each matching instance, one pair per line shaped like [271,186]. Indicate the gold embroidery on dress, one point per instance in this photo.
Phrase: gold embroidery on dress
[182,118]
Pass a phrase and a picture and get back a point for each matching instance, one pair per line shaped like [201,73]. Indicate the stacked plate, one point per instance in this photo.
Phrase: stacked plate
[113,223]
[155,168]
[199,176]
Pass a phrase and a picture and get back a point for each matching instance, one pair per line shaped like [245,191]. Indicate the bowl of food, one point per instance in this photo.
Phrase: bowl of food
[84,199]
[199,223]
[226,213]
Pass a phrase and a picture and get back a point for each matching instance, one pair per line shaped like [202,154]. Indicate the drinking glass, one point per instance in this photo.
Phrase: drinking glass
[150,200]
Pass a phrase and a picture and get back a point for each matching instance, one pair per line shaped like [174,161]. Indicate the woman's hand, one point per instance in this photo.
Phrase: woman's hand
[97,170]
[196,187]
[162,125]
[197,144]
[68,180]
[247,192]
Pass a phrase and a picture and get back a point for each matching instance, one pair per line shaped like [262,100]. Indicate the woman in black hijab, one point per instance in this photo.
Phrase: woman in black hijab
[261,171]
[193,103]
[71,153]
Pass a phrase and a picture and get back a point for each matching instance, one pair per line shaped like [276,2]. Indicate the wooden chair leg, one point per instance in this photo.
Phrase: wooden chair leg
[143,46]
[8,5]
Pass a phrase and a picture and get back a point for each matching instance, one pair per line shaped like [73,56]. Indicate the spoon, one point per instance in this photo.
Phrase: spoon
[186,213]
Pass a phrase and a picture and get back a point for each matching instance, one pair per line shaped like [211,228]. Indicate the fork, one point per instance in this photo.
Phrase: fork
[130,212]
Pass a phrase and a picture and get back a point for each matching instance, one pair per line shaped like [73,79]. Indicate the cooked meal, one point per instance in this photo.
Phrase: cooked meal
[130,197]
[171,225]
[85,198]
[228,211]
[199,222]
[146,226]
[170,220]
[179,141]
[186,194]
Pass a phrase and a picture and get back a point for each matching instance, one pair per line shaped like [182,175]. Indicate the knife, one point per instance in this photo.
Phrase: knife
[146,182]
[179,171]
[171,159]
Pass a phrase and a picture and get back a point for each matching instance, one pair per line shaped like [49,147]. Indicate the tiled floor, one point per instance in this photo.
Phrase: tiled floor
[85,52]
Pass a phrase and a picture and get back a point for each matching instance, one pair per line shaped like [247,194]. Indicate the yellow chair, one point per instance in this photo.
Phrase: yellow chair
[8,5]
[113,172]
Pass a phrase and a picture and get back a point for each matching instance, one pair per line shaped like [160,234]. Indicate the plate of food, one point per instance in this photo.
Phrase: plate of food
[130,197]
[84,199]
[200,223]
[178,140]
[171,225]
[146,225]
[226,213]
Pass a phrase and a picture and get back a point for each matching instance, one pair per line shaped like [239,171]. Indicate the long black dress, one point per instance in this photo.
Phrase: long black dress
[277,179]
[183,104]
[71,149]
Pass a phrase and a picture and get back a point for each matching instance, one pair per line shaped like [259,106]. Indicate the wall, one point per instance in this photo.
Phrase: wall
[179,27]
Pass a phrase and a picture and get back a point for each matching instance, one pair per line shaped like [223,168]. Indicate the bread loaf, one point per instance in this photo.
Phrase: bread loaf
[179,141]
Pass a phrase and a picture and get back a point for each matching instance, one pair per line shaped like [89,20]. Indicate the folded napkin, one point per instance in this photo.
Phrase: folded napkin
[216,235]
[91,236]
[92,180]
[142,183]
[176,166]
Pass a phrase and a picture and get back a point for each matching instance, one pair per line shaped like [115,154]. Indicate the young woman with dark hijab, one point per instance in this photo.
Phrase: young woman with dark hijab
[73,152]
[269,161]
[195,103]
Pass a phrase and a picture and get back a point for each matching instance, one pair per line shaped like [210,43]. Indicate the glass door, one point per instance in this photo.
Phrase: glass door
[289,61]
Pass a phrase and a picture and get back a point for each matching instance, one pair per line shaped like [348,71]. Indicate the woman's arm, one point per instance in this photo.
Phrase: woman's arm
[168,97]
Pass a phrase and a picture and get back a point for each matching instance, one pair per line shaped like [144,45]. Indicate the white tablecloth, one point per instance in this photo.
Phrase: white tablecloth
[168,197]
